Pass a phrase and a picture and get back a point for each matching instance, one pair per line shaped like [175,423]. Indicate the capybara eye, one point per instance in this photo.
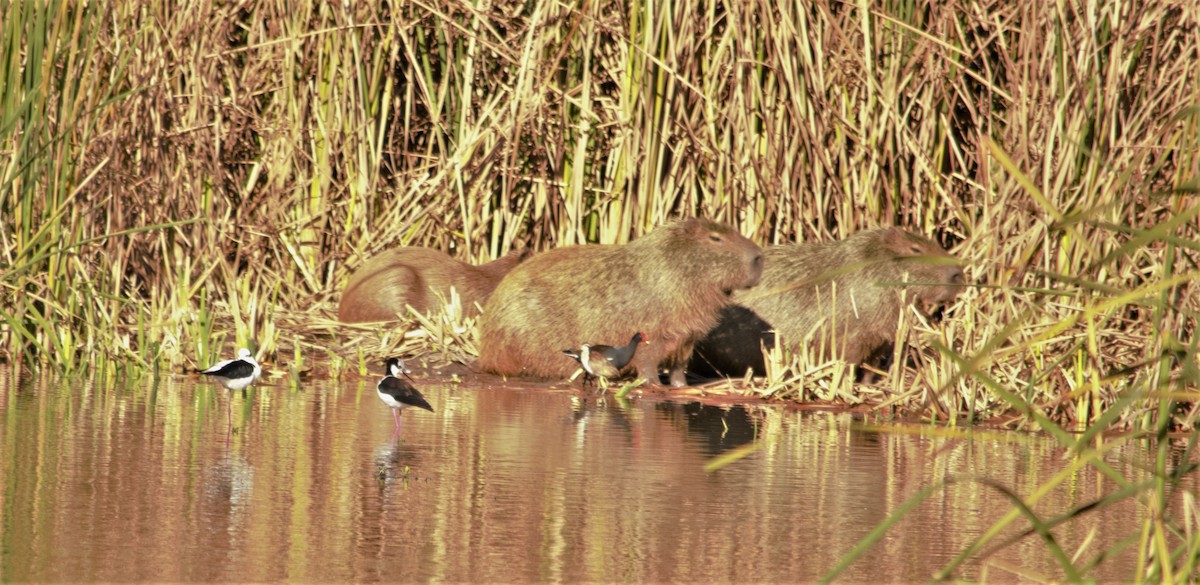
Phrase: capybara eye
[917,249]
[714,237]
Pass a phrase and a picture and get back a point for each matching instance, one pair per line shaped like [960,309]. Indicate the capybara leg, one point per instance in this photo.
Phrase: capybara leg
[647,367]
[678,379]
[848,349]
[650,375]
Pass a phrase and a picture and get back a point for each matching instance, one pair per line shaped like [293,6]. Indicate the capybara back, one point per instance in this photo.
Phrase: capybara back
[669,284]
[420,277]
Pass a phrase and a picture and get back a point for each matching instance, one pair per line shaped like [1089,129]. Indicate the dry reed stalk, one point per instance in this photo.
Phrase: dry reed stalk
[177,179]
[274,148]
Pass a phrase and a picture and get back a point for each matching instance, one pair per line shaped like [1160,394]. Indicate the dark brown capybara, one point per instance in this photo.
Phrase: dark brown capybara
[794,299]
[670,284]
[416,276]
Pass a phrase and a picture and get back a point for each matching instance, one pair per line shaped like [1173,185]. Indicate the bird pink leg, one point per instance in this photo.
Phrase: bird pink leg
[229,423]
[396,417]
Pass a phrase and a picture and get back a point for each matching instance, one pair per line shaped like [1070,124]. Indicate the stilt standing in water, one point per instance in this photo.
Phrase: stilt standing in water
[235,374]
[604,360]
[399,393]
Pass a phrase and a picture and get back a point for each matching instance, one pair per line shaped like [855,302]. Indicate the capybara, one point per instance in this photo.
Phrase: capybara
[670,284]
[795,299]
[416,276]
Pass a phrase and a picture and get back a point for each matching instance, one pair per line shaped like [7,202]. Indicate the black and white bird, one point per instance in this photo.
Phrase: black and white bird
[398,393]
[235,374]
[604,361]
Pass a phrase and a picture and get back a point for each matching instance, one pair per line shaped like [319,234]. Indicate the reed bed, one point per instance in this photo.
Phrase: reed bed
[177,179]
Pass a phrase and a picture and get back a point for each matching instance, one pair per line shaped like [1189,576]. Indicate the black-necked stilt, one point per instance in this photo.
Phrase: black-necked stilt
[235,374]
[399,393]
[605,360]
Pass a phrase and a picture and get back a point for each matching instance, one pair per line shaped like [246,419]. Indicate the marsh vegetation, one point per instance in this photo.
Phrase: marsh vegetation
[173,181]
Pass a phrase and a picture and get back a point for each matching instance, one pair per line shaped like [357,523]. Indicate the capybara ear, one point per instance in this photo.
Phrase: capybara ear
[894,239]
[903,243]
[693,226]
[522,253]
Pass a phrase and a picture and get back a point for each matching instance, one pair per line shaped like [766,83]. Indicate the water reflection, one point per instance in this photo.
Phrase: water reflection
[716,428]
[142,481]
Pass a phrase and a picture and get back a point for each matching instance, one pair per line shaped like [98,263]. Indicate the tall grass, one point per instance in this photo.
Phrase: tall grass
[178,179]
[175,181]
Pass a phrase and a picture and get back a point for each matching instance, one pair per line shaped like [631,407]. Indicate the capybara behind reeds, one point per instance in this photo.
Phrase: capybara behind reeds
[852,283]
[417,276]
[669,284]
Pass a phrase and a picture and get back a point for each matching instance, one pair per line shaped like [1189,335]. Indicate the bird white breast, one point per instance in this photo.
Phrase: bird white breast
[240,383]
[391,401]
[585,359]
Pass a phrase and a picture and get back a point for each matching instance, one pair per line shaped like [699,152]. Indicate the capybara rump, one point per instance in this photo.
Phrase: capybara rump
[422,278]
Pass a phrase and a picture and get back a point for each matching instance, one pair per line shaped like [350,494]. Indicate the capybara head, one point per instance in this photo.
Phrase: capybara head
[938,276]
[858,286]
[721,252]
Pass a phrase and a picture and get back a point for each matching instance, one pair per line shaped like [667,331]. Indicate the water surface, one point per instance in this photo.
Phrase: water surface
[107,481]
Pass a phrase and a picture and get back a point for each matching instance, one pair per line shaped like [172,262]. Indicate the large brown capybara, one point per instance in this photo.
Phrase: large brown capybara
[795,300]
[417,276]
[670,284]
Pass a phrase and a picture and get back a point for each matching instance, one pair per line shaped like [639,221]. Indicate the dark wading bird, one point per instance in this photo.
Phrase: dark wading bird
[604,361]
[235,374]
[399,393]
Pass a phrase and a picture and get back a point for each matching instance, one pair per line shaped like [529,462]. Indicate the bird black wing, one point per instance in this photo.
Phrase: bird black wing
[412,397]
[233,370]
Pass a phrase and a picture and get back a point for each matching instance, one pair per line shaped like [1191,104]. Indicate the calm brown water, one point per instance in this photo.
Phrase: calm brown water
[105,481]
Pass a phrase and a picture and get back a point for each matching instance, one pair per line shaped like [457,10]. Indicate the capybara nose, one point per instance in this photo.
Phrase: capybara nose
[956,277]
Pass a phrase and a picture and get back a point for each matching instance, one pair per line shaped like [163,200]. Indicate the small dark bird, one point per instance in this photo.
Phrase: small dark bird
[398,393]
[235,374]
[604,360]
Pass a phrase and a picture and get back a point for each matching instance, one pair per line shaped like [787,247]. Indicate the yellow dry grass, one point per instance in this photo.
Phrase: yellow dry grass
[174,181]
